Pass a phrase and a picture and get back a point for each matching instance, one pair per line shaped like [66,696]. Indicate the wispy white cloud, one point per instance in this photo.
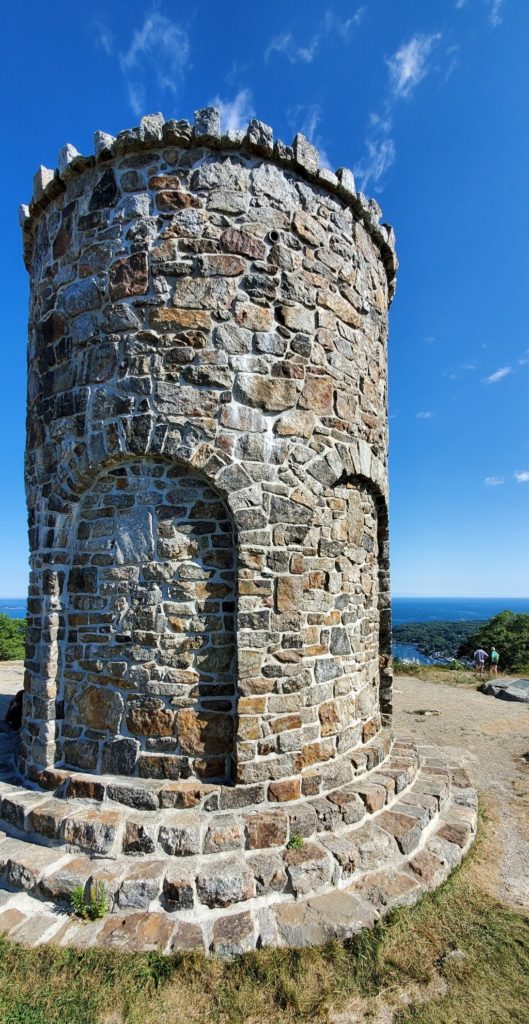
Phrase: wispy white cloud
[406,68]
[459,4]
[504,371]
[294,52]
[495,12]
[103,36]
[379,156]
[158,55]
[425,415]
[288,45]
[235,113]
[344,27]
[238,70]
[522,476]
[458,371]
[409,65]
[136,98]
[493,481]
[305,118]
[452,55]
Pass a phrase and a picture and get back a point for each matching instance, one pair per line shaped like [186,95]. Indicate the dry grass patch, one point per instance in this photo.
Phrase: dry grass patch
[460,957]
[440,674]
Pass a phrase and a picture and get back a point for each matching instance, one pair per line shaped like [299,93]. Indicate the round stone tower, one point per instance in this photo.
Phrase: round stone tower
[206,470]
[206,462]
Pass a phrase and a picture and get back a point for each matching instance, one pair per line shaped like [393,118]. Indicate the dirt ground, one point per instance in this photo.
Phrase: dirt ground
[11,680]
[489,736]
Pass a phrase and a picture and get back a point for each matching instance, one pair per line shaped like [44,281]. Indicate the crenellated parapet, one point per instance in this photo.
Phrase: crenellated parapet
[258,140]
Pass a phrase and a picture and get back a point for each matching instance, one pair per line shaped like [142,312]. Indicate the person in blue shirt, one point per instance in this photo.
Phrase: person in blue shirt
[480,659]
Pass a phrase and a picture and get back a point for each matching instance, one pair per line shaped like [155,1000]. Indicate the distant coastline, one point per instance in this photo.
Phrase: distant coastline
[406,611]
[453,609]
[15,607]
[439,645]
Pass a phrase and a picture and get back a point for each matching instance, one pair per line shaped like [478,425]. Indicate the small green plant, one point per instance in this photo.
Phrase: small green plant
[78,902]
[12,635]
[90,906]
[295,842]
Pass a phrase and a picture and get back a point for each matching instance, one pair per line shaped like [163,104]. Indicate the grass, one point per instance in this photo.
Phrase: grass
[445,674]
[397,966]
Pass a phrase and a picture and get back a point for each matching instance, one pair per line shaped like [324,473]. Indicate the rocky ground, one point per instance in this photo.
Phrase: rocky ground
[492,736]
[11,680]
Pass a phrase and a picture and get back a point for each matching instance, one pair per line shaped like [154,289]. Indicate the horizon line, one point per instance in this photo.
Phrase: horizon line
[463,597]
[410,597]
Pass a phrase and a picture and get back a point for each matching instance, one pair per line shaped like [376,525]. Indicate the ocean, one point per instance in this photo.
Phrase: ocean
[453,609]
[403,609]
[15,607]
[446,609]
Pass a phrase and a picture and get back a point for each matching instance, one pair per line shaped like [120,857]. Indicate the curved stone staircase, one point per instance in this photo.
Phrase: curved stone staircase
[186,865]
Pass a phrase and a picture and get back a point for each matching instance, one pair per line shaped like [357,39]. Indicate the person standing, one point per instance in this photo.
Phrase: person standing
[494,659]
[480,659]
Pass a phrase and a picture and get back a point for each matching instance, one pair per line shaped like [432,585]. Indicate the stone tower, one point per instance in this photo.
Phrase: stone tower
[206,470]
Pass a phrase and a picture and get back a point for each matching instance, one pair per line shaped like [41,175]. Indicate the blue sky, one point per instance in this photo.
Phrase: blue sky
[428,103]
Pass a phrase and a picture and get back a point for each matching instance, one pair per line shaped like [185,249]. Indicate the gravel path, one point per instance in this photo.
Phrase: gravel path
[491,736]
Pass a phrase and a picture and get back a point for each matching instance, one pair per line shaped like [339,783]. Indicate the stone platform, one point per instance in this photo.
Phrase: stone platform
[185,868]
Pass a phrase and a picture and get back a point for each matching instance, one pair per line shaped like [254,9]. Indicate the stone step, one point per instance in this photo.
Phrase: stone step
[340,914]
[177,826]
[264,867]
[153,794]
[155,907]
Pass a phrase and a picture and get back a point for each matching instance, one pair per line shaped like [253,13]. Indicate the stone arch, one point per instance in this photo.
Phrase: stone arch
[149,609]
[356,482]
[77,467]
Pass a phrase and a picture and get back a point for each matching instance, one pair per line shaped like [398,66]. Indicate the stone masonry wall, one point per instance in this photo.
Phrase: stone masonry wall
[206,461]
[150,625]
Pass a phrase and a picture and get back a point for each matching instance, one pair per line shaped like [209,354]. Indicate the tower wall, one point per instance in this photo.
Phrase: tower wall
[206,462]
[205,735]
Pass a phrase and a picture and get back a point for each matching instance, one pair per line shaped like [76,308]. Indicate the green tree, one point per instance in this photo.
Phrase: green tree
[12,635]
[508,632]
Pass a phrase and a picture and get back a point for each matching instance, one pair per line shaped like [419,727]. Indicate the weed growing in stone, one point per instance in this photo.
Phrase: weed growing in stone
[295,842]
[92,906]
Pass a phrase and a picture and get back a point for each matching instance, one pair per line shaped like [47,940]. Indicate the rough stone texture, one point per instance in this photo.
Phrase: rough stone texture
[207,418]
[233,935]
[322,889]
[308,868]
[225,882]
[206,473]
